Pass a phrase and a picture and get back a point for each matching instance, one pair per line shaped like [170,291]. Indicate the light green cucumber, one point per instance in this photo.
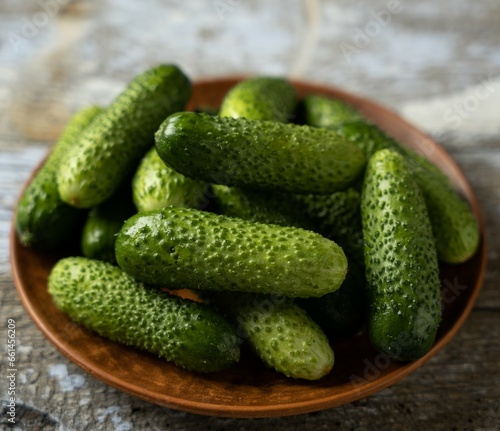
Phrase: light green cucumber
[402,272]
[108,152]
[103,224]
[104,299]
[43,220]
[280,332]
[156,186]
[188,248]
[260,98]
[258,154]
[324,111]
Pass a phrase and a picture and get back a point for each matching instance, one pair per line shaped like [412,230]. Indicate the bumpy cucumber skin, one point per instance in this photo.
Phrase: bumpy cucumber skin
[104,299]
[402,270]
[323,111]
[156,186]
[258,154]
[188,248]
[260,206]
[43,220]
[280,332]
[103,224]
[260,98]
[109,151]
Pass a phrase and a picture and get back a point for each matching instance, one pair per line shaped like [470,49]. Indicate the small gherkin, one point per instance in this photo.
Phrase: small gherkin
[108,152]
[402,272]
[104,299]
[258,154]
[188,248]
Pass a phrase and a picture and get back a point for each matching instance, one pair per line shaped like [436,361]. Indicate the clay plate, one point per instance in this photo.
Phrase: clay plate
[248,389]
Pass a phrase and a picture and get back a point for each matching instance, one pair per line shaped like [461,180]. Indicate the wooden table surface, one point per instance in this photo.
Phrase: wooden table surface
[435,63]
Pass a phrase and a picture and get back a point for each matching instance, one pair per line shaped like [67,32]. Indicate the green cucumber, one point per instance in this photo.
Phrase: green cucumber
[258,154]
[188,248]
[324,111]
[104,299]
[280,332]
[156,186]
[260,98]
[103,224]
[108,152]
[43,220]
[260,206]
[402,272]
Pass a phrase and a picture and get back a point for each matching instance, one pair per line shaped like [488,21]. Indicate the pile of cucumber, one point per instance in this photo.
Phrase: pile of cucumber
[293,221]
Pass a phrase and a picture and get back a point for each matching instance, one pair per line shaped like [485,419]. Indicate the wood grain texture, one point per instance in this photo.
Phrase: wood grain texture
[428,58]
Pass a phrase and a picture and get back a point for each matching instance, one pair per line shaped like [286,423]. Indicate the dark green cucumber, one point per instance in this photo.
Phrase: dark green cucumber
[260,98]
[343,312]
[188,248]
[103,224]
[403,285]
[280,332]
[260,206]
[104,299]
[43,220]
[324,111]
[258,154]
[156,186]
[109,151]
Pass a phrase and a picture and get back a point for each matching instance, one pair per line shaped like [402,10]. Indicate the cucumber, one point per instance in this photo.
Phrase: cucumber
[343,312]
[258,154]
[156,186]
[43,220]
[187,248]
[108,152]
[280,332]
[103,224]
[260,206]
[104,299]
[260,98]
[454,226]
[402,270]
[324,111]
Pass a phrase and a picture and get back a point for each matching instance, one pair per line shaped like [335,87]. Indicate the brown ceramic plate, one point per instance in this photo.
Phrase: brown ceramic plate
[249,389]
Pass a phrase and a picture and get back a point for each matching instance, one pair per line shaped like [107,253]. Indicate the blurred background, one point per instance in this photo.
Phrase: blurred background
[435,63]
